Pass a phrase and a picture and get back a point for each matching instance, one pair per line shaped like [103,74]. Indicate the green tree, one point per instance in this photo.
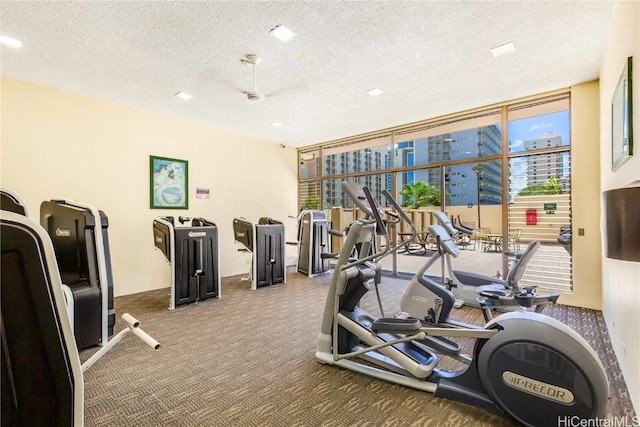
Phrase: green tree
[311,203]
[419,194]
[552,186]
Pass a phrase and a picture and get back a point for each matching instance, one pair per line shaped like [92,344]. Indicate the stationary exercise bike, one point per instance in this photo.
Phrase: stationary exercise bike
[524,365]
[431,302]
[464,283]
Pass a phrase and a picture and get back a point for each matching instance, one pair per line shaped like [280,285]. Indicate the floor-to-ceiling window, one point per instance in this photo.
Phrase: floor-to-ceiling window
[539,186]
[458,165]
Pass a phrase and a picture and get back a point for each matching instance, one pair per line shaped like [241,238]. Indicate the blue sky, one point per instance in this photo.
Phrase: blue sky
[535,127]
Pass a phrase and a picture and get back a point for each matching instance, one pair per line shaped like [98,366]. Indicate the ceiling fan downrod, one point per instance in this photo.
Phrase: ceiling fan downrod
[254,94]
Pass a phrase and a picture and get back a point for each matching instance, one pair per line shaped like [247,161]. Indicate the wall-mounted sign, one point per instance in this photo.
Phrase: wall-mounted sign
[550,208]
[202,193]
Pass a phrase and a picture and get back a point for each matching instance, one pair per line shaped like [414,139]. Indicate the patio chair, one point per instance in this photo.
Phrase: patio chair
[481,239]
[514,239]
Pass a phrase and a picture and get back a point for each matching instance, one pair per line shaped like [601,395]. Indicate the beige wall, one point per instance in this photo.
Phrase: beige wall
[55,144]
[621,279]
[585,198]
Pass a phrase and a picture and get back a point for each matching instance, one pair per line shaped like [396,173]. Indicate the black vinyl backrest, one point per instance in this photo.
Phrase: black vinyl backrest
[162,238]
[38,380]
[73,236]
[243,233]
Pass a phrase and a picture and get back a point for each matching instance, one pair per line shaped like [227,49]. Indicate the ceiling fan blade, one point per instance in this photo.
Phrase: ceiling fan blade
[213,77]
[292,89]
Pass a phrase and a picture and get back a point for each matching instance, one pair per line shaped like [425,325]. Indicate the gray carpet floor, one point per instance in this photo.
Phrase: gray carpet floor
[247,359]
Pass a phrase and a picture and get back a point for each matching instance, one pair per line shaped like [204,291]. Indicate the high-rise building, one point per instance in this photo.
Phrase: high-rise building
[349,162]
[463,185]
[542,168]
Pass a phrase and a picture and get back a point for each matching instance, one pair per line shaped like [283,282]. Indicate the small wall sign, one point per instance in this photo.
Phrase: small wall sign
[202,193]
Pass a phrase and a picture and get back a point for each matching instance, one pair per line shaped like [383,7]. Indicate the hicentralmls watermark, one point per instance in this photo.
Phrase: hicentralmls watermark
[574,421]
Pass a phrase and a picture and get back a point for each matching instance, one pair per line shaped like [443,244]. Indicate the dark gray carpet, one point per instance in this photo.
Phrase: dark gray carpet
[247,359]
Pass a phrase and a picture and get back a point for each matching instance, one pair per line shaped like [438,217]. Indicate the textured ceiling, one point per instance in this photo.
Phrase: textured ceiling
[430,57]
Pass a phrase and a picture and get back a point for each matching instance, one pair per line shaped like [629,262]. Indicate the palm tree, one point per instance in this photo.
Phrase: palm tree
[419,194]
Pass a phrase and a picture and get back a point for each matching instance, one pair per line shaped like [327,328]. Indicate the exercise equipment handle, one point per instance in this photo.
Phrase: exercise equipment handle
[399,210]
[146,338]
[381,228]
[133,325]
[403,215]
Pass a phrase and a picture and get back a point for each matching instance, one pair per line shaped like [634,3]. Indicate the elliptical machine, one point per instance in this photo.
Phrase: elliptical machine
[524,365]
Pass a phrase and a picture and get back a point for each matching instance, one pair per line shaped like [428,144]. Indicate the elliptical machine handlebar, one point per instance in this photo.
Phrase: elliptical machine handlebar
[402,215]
[381,227]
[362,197]
[398,209]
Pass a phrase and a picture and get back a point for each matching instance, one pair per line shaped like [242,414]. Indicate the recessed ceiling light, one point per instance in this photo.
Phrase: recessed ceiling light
[8,41]
[282,33]
[375,91]
[183,95]
[276,124]
[503,49]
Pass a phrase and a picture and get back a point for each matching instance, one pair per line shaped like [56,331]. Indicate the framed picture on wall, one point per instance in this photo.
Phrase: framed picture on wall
[168,183]
[621,119]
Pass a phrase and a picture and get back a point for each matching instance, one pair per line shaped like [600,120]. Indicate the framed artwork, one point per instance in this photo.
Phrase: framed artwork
[168,183]
[621,119]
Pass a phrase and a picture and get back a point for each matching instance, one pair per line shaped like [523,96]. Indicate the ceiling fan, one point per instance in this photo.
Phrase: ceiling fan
[253,94]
